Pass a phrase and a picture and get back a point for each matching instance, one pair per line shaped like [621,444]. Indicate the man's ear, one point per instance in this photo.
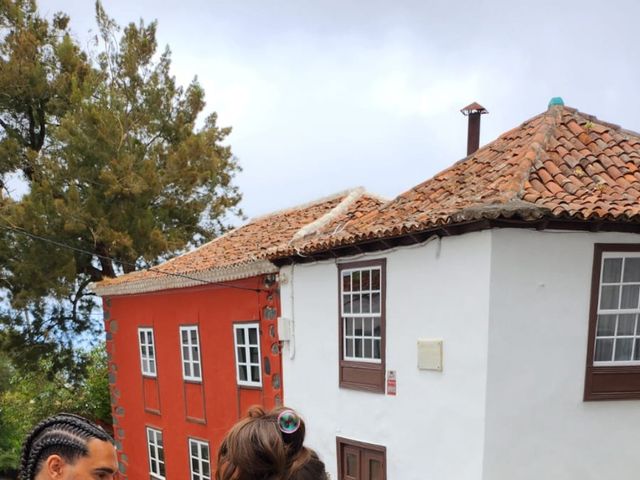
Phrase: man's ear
[54,467]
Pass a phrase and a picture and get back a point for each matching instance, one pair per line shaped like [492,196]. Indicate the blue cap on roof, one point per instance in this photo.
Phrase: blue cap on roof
[556,101]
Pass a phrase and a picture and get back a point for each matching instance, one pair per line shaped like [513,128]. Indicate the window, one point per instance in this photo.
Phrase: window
[247,341]
[613,354]
[200,460]
[362,325]
[190,342]
[361,461]
[156,453]
[147,352]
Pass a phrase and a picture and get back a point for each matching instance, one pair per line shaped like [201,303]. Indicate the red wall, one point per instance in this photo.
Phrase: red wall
[181,410]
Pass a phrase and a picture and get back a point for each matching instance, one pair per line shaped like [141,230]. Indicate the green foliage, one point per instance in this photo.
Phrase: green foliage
[117,162]
[27,395]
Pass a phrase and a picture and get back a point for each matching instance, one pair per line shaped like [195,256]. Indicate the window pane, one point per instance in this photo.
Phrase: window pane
[348,326]
[366,303]
[623,348]
[631,270]
[606,325]
[375,303]
[145,365]
[152,366]
[357,326]
[205,469]
[150,351]
[358,348]
[196,370]
[355,303]
[141,333]
[611,270]
[253,353]
[185,336]
[346,304]
[375,470]
[352,465]
[355,281]
[253,336]
[205,452]
[349,352]
[604,349]
[243,372]
[609,297]
[626,324]
[160,443]
[376,349]
[240,336]
[636,355]
[368,326]
[630,296]
[376,327]
[194,449]
[194,336]
[242,355]
[187,369]
[375,279]
[346,282]
[366,280]
[368,348]
[255,374]
[162,472]
[195,465]
[149,338]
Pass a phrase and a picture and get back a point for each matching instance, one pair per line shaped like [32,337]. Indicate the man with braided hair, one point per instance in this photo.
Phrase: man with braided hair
[68,447]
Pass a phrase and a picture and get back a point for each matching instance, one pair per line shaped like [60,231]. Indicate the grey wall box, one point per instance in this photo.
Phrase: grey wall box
[430,354]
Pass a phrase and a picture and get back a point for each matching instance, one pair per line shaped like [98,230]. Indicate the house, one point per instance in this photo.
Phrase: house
[482,325]
[193,342]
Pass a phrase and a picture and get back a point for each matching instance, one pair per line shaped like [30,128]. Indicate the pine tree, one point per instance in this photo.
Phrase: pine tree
[117,164]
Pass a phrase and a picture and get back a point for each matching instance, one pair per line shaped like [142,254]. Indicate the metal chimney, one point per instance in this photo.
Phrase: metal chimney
[473,111]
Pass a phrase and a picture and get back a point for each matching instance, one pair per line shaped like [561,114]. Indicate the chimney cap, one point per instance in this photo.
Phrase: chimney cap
[556,101]
[474,108]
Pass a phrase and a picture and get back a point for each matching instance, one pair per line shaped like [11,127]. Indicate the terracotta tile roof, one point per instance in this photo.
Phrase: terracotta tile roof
[561,164]
[245,245]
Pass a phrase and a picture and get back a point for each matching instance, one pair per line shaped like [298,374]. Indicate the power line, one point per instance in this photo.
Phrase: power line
[123,262]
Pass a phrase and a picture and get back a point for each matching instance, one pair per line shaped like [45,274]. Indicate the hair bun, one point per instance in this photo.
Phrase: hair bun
[256,411]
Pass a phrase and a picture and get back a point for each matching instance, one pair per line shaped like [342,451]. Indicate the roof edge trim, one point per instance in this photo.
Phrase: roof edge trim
[169,281]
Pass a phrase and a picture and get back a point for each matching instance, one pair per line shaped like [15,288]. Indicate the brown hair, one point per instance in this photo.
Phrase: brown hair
[256,449]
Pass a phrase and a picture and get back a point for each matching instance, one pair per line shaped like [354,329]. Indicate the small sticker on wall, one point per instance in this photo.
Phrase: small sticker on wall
[391,382]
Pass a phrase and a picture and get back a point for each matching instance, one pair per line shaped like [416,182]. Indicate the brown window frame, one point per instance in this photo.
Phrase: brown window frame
[364,375]
[363,451]
[610,382]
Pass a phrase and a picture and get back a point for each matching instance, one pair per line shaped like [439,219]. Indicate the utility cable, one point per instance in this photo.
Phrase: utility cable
[123,262]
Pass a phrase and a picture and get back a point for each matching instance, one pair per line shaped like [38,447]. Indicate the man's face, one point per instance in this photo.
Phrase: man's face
[100,464]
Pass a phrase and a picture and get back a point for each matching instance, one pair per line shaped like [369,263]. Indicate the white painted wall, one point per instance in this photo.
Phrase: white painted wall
[434,427]
[537,424]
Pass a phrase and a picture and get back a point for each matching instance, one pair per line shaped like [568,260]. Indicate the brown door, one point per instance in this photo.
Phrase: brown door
[361,461]
[373,466]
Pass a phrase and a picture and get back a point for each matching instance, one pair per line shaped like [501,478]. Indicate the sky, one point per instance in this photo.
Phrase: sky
[328,95]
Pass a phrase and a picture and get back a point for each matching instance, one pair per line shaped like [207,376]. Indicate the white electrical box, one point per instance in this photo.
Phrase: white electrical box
[430,354]
[284,329]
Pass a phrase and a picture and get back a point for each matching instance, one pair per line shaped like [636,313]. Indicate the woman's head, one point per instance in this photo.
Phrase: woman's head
[268,446]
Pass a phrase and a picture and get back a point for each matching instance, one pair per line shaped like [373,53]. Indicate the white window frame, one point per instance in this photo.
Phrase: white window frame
[246,347]
[155,440]
[361,317]
[148,364]
[619,311]
[189,360]
[199,446]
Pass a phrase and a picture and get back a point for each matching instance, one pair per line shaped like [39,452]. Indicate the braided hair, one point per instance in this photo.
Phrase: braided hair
[256,449]
[64,434]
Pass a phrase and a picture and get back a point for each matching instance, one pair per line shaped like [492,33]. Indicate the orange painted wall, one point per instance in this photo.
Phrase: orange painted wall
[212,406]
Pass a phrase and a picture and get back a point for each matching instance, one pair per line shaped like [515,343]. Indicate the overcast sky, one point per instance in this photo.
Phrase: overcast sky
[328,95]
